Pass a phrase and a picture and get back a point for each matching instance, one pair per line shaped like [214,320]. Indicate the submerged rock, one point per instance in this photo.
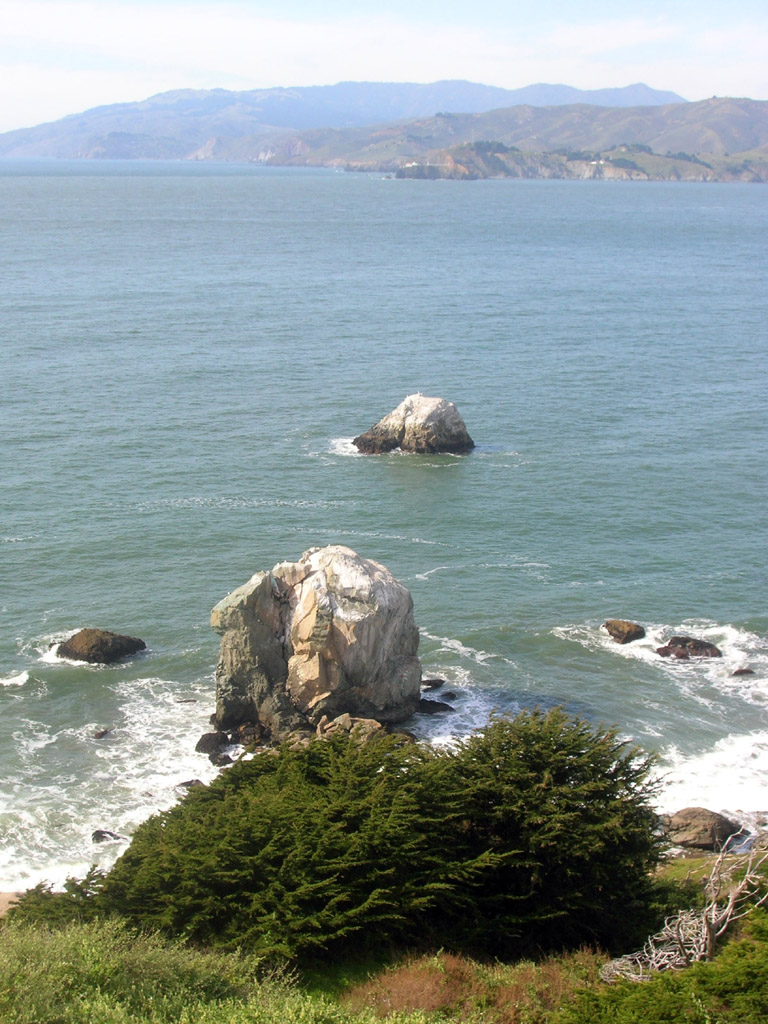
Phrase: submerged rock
[99,646]
[624,632]
[329,635]
[432,684]
[685,647]
[700,829]
[419,424]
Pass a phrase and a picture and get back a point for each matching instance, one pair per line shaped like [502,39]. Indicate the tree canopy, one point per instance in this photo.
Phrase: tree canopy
[536,833]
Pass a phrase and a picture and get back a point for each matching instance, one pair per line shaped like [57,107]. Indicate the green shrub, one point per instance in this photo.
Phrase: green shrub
[536,834]
[75,902]
[564,812]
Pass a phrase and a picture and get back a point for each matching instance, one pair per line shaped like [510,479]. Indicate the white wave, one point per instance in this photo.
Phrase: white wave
[472,706]
[430,572]
[16,680]
[342,446]
[378,535]
[234,502]
[450,645]
[113,783]
[47,647]
[729,778]
[35,736]
[457,647]
[698,676]
[535,570]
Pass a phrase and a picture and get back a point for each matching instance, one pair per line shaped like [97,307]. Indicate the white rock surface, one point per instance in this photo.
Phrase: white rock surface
[331,634]
[419,424]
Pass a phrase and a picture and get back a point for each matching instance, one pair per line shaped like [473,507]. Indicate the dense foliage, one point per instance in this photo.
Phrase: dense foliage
[537,833]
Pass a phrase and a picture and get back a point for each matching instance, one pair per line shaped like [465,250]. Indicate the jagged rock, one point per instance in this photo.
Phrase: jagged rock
[433,707]
[419,424]
[624,632]
[432,684]
[103,835]
[329,635]
[685,647]
[247,735]
[362,728]
[700,829]
[211,742]
[99,646]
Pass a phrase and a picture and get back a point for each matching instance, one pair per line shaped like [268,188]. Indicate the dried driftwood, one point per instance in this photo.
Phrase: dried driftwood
[734,886]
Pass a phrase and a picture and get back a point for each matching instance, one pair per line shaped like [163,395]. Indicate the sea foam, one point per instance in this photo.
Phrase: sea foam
[15,680]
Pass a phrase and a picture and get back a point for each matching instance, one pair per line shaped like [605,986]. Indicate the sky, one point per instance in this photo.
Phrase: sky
[59,58]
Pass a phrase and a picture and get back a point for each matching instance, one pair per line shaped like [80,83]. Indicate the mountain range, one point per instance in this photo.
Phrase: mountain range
[446,129]
[175,125]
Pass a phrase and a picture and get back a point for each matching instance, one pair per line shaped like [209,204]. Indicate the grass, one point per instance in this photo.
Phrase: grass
[462,989]
[100,972]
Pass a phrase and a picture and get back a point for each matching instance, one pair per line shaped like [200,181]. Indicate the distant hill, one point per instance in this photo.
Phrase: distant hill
[714,127]
[447,129]
[202,124]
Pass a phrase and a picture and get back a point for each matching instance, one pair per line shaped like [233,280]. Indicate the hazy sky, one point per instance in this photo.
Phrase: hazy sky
[63,57]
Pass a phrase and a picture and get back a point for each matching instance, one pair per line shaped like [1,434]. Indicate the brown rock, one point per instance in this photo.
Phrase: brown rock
[99,646]
[673,652]
[688,647]
[700,829]
[624,632]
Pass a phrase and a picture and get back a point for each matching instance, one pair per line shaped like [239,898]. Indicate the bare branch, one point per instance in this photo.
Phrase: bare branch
[692,935]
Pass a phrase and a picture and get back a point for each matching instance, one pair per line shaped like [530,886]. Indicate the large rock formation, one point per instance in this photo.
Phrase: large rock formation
[99,646]
[419,424]
[329,635]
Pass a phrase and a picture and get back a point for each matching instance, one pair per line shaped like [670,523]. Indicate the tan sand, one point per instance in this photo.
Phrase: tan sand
[6,899]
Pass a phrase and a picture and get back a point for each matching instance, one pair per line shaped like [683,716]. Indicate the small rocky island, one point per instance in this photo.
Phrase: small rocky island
[426,426]
[327,641]
[99,646]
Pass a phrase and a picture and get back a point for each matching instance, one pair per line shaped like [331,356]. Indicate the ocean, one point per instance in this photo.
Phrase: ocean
[188,350]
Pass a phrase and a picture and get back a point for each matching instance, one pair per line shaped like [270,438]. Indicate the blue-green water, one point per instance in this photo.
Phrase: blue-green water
[187,352]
